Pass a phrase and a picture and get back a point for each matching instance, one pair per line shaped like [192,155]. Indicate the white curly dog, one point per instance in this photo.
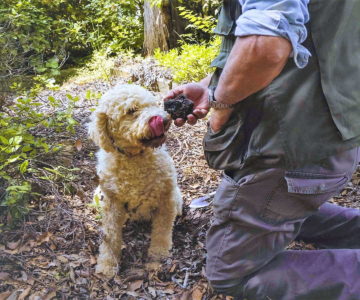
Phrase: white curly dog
[137,175]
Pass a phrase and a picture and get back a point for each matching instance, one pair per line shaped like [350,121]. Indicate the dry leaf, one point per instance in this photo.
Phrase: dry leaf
[24,293]
[92,260]
[45,237]
[13,245]
[134,294]
[50,296]
[152,291]
[135,285]
[78,145]
[62,259]
[172,269]
[14,295]
[4,276]
[197,294]
[186,296]
[5,295]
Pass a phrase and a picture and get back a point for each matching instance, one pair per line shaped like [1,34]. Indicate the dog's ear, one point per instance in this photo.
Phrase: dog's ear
[99,133]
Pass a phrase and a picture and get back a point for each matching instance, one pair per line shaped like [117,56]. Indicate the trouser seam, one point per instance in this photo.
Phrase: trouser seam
[269,197]
[227,230]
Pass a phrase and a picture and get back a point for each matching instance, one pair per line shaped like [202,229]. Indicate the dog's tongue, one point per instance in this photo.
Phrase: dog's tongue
[156,126]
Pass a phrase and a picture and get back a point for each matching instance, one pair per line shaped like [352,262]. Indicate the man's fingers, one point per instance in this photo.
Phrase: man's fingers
[191,119]
[200,113]
[172,94]
[179,122]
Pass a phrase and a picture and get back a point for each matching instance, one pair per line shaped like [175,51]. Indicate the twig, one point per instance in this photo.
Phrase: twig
[186,279]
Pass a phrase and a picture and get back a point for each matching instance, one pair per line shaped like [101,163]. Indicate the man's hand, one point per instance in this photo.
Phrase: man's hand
[219,118]
[196,92]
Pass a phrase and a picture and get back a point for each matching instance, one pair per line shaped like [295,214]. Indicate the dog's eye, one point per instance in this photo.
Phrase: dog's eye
[131,111]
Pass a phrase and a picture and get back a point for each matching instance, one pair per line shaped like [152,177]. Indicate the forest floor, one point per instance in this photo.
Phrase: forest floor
[52,254]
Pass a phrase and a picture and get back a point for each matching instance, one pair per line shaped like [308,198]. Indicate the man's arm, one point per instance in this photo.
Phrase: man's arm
[253,63]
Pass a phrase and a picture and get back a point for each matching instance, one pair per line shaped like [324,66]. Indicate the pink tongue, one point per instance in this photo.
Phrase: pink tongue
[156,126]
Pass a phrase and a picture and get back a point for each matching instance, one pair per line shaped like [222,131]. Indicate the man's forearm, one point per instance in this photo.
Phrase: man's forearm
[253,63]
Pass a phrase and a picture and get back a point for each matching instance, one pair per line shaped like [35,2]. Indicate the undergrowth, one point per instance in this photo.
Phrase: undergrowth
[102,66]
[27,129]
[189,62]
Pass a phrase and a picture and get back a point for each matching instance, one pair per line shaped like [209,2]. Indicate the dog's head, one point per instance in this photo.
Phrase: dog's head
[128,118]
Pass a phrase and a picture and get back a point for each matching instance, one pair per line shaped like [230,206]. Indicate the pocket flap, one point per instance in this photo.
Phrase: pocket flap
[315,185]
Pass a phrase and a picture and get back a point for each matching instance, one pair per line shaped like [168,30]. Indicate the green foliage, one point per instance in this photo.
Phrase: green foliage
[38,36]
[101,66]
[198,22]
[21,148]
[190,62]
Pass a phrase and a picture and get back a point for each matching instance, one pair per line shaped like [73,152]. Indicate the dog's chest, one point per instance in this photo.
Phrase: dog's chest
[140,185]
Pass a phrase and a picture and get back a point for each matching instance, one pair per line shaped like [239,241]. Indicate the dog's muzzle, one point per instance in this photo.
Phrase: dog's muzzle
[158,127]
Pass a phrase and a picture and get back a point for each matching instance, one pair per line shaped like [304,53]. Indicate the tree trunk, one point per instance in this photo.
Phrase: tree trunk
[162,26]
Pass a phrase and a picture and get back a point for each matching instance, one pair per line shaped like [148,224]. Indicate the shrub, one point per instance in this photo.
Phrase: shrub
[37,36]
[190,62]
[22,146]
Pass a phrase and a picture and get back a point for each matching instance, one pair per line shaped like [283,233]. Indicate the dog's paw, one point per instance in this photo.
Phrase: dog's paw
[108,271]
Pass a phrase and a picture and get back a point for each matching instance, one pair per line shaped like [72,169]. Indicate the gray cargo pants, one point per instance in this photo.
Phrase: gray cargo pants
[256,215]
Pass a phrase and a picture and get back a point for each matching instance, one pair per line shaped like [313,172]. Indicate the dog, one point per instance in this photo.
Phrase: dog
[136,175]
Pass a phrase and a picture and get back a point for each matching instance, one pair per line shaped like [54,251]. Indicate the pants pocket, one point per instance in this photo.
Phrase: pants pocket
[225,149]
[297,198]
[226,194]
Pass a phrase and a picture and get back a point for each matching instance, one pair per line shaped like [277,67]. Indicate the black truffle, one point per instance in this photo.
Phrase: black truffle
[179,107]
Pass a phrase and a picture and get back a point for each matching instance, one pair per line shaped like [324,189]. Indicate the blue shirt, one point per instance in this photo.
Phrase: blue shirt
[286,18]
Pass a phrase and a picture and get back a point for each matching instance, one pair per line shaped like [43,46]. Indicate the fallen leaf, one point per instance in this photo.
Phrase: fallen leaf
[78,145]
[5,295]
[197,294]
[45,237]
[92,260]
[134,294]
[50,295]
[24,293]
[62,259]
[135,285]
[14,295]
[72,274]
[169,291]
[172,269]
[13,245]
[152,291]
[4,276]
[186,296]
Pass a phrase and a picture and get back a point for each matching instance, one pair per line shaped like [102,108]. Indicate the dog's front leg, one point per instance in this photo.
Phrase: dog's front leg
[113,220]
[161,234]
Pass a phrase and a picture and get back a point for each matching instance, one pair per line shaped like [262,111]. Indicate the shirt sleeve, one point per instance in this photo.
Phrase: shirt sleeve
[286,18]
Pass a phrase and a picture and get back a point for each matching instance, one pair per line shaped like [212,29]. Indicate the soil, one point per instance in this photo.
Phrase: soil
[52,253]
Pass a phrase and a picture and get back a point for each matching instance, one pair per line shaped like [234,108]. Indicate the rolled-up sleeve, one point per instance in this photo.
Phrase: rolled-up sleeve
[285,18]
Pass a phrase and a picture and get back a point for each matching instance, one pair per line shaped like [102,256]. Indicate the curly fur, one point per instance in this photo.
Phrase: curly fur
[138,182]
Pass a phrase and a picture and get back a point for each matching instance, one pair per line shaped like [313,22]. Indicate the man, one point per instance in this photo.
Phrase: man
[285,129]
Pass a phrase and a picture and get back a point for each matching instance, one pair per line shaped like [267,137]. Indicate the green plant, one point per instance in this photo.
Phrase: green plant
[38,36]
[198,22]
[190,62]
[23,143]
